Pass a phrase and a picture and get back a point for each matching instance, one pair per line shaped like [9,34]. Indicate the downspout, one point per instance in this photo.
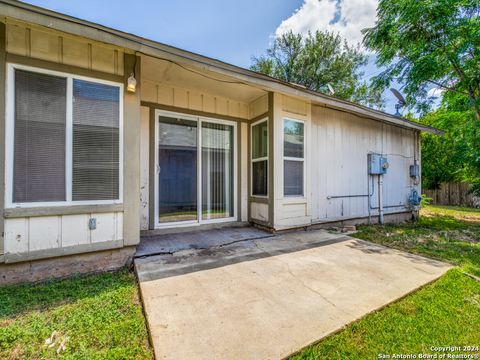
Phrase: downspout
[369,197]
[380,199]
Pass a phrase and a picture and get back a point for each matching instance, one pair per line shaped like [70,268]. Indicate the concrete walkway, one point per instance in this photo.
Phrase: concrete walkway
[267,298]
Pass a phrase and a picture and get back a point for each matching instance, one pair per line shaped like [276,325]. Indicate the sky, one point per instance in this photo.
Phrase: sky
[229,30]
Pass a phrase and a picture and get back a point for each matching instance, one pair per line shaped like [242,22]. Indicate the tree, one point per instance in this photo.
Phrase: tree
[428,43]
[316,60]
[454,156]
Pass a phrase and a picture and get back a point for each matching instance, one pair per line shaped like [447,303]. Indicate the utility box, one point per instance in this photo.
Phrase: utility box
[414,171]
[377,164]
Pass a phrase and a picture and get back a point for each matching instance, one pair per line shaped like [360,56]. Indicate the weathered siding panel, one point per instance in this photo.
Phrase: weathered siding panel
[339,165]
[243,171]
[24,235]
[39,234]
[44,44]
[291,211]
[144,168]
[258,106]
[72,234]
[191,99]
[259,211]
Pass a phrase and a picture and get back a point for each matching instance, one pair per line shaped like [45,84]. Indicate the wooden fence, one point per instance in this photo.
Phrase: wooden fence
[453,193]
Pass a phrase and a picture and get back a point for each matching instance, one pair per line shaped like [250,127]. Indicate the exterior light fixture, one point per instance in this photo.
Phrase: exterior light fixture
[131,83]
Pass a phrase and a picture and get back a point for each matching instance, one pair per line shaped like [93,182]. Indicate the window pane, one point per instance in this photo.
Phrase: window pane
[293,139]
[95,141]
[217,171]
[293,177]
[39,140]
[259,178]
[177,180]
[259,140]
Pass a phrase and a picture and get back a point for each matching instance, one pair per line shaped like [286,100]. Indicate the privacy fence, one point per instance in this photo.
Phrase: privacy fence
[453,193]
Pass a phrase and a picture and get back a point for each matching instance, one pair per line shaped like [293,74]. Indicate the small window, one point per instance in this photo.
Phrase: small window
[293,158]
[260,159]
[66,138]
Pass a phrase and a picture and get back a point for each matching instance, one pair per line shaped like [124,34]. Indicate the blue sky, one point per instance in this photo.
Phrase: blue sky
[228,30]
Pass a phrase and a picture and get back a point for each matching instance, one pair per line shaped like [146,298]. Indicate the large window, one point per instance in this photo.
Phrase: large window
[65,138]
[260,158]
[293,157]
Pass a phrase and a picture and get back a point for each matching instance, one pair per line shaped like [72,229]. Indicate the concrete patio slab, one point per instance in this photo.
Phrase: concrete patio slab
[268,298]
[169,243]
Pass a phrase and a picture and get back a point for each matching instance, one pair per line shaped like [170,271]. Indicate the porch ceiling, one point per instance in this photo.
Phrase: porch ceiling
[176,74]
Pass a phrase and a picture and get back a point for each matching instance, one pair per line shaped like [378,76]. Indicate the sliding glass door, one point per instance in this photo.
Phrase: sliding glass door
[195,180]
[177,169]
[217,171]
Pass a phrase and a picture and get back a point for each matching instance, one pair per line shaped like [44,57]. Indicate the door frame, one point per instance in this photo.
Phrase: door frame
[199,220]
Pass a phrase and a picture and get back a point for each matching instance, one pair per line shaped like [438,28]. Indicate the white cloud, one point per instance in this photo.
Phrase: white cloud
[347,17]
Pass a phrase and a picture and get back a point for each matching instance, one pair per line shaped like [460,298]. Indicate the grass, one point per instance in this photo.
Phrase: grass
[447,233]
[101,315]
[446,312]
[98,317]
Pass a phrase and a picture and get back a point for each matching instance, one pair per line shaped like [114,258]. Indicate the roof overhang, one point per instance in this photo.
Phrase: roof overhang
[54,20]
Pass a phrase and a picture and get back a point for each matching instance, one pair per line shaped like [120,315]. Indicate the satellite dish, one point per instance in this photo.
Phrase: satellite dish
[330,89]
[401,101]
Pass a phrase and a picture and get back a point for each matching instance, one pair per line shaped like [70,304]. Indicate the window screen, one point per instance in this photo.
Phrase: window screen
[260,159]
[293,153]
[95,141]
[39,137]
[293,179]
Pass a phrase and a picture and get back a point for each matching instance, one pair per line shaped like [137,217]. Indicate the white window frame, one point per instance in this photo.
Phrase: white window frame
[199,220]
[10,132]
[263,158]
[289,158]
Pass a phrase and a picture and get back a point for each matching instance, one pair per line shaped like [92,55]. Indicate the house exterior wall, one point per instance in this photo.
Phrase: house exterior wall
[44,232]
[190,101]
[336,148]
[340,165]
[292,211]
[39,43]
[259,207]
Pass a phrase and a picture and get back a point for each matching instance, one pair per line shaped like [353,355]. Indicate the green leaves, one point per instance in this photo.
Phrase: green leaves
[425,43]
[456,155]
[316,60]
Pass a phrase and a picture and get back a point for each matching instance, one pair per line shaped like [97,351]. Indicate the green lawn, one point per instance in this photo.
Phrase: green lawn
[444,313]
[98,317]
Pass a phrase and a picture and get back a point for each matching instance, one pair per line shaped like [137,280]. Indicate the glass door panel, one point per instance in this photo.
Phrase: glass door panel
[177,170]
[217,171]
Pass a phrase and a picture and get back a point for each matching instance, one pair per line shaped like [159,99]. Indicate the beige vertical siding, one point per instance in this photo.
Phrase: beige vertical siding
[44,44]
[292,211]
[27,236]
[259,211]
[339,164]
[32,234]
[144,168]
[195,100]
[336,148]
[258,106]
[243,128]
[192,99]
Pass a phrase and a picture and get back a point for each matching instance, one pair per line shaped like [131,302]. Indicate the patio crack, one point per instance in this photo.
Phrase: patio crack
[203,248]
[287,265]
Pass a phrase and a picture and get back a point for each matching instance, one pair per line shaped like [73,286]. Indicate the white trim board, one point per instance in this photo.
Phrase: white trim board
[263,158]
